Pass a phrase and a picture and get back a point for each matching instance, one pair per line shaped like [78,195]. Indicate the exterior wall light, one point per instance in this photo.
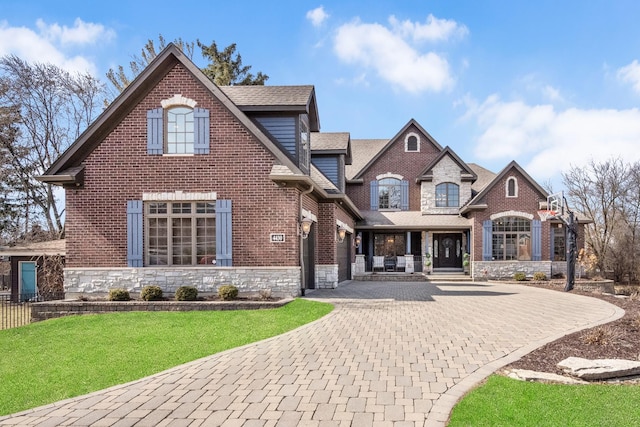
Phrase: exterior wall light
[342,232]
[358,240]
[305,227]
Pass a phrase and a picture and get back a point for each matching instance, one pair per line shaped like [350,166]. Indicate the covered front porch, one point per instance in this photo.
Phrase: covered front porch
[408,242]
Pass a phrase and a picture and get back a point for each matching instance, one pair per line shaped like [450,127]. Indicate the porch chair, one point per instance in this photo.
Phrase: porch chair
[401,263]
[378,262]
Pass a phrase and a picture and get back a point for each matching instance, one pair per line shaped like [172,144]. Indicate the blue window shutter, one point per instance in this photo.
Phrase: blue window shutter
[374,195]
[155,120]
[536,240]
[487,242]
[223,233]
[134,233]
[404,186]
[201,131]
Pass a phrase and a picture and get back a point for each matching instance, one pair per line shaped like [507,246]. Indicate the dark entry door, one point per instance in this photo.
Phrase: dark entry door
[447,250]
[344,259]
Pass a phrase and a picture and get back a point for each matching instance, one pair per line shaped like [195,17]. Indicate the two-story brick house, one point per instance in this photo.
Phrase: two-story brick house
[182,182]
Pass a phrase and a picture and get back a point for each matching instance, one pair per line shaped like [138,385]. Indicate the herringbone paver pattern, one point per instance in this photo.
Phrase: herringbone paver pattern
[390,354]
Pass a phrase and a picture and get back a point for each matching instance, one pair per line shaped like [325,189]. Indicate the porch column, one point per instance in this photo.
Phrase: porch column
[408,239]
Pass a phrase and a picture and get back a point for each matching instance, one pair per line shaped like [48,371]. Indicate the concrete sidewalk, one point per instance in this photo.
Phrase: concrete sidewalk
[390,354]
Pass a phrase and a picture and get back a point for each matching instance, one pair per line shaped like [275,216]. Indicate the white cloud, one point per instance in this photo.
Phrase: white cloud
[317,16]
[631,74]
[546,141]
[433,29]
[392,57]
[51,43]
[81,32]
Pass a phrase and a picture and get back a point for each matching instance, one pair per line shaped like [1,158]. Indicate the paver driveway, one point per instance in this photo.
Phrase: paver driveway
[396,354]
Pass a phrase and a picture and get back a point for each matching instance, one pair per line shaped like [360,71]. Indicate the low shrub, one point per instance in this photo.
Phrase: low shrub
[539,276]
[601,335]
[228,292]
[119,294]
[186,293]
[151,293]
[520,276]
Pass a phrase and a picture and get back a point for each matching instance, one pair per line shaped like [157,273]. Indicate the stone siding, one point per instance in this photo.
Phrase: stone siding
[326,276]
[283,281]
[484,270]
[446,170]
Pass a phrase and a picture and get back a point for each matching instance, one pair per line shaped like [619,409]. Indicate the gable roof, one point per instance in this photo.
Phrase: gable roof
[60,171]
[300,99]
[485,176]
[377,155]
[331,143]
[466,173]
[474,203]
[362,151]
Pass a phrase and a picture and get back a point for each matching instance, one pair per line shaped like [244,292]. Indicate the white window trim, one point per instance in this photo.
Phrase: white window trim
[179,196]
[515,187]
[406,143]
[178,99]
[511,213]
[389,175]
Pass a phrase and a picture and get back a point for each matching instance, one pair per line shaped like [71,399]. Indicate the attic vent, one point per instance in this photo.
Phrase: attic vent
[412,142]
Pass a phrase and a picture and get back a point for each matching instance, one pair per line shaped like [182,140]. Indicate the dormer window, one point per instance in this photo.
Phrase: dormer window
[512,187]
[412,142]
[180,130]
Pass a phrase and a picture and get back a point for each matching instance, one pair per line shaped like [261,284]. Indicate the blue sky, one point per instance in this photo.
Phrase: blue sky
[549,84]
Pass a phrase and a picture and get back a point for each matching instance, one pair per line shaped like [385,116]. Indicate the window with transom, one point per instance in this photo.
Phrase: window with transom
[180,233]
[389,193]
[180,130]
[511,239]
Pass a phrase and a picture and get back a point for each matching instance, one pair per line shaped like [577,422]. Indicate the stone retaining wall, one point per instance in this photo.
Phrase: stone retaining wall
[54,309]
[282,281]
[485,270]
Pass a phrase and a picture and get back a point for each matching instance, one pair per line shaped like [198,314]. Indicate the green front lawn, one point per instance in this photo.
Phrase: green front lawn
[57,359]
[507,402]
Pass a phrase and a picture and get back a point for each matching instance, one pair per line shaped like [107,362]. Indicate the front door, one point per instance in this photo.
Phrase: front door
[28,280]
[447,250]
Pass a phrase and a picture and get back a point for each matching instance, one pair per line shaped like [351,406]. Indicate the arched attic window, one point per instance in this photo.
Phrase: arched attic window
[512,187]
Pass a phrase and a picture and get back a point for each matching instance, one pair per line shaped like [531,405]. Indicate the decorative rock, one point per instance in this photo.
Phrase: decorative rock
[527,375]
[599,369]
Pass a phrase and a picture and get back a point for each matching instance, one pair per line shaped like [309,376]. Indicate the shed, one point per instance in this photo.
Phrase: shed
[35,267]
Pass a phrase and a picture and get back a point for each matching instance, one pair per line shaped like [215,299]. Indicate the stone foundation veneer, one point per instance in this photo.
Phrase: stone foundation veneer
[283,281]
[326,276]
[483,270]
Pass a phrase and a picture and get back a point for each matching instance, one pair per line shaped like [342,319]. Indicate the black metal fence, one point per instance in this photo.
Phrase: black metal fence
[15,309]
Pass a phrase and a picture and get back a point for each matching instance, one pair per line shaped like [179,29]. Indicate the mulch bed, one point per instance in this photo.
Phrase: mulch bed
[616,340]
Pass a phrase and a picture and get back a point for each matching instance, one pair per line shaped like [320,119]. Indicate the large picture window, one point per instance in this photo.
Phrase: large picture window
[447,195]
[389,193]
[180,233]
[511,239]
[180,130]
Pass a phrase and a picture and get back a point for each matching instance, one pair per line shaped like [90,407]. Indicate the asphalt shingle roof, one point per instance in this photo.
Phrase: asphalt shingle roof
[244,96]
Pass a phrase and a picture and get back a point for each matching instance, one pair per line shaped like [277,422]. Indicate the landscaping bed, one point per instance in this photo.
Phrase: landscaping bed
[619,339]
[54,309]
